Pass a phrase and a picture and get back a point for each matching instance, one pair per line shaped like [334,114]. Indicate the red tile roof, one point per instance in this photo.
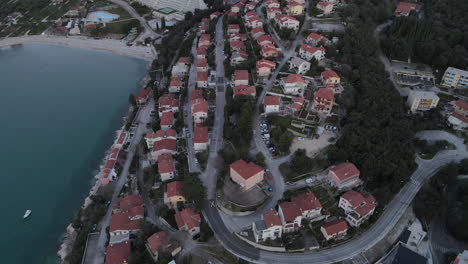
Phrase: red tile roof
[462,104]
[271,100]
[165,144]
[244,90]
[265,63]
[121,138]
[257,30]
[334,227]
[205,37]
[200,135]
[168,100]
[110,164]
[316,37]
[184,60]
[233,27]
[329,74]
[311,49]
[201,105]
[459,116]
[345,171]
[290,211]
[307,201]
[359,202]
[265,38]
[188,217]
[196,94]
[114,153]
[202,76]
[167,119]
[325,93]
[157,241]
[121,221]
[365,209]
[406,8]
[175,81]
[324,4]
[165,163]
[293,78]
[237,44]
[283,18]
[201,63]
[128,202]
[165,133]
[241,75]
[201,51]
[244,169]
[118,253]
[143,94]
[175,189]
[271,218]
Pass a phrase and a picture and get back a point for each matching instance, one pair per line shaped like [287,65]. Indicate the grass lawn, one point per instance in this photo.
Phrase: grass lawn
[119,11]
[122,27]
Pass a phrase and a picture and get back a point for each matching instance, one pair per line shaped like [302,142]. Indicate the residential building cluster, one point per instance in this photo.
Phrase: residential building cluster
[125,221]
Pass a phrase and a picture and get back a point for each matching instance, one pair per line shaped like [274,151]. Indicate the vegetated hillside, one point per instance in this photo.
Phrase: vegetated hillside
[439,40]
[377,132]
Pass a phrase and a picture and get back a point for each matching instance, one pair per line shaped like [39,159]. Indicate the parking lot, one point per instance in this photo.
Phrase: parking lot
[265,131]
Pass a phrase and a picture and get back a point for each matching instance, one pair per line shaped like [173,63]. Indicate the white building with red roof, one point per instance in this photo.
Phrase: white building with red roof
[247,175]
[121,139]
[272,12]
[168,103]
[152,137]
[265,39]
[303,206]
[241,77]
[202,65]
[269,51]
[182,67]
[202,79]
[199,110]
[164,146]
[174,194]
[334,229]
[272,104]
[175,84]
[167,120]
[160,242]
[233,28]
[272,3]
[143,96]
[405,8]
[344,176]
[297,104]
[118,253]
[264,68]
[315,39]
[286,21]
[121,226]
[459,116]
[254,22]
[269,227]
[237,45]
[239,57]
[201,53]
[204,41]
[188,220]
[236,8]
[246,90]
[330,78]
[166,167]
[293,84]
[325,7]
[132,204]
[309,52]
[250,6]
[257,32]
[324,99]
[215,15]
[200,138]
[358,207]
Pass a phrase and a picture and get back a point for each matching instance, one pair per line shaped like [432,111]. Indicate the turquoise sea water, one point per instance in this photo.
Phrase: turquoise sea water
[59,108]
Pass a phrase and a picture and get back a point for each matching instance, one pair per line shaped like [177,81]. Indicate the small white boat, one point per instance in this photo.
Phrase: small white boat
[27,213]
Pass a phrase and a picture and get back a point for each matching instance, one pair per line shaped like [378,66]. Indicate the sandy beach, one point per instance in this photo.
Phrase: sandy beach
[115,46]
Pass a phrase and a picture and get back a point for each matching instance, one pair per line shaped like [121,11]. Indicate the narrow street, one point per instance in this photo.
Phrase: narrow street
[142,118]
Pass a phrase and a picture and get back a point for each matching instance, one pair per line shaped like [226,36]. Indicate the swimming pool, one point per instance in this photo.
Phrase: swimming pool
[101,16]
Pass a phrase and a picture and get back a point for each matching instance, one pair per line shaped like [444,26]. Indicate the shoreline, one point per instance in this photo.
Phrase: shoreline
[110,45]
[69,236]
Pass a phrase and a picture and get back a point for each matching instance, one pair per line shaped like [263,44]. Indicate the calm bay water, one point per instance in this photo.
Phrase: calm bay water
[59,108]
